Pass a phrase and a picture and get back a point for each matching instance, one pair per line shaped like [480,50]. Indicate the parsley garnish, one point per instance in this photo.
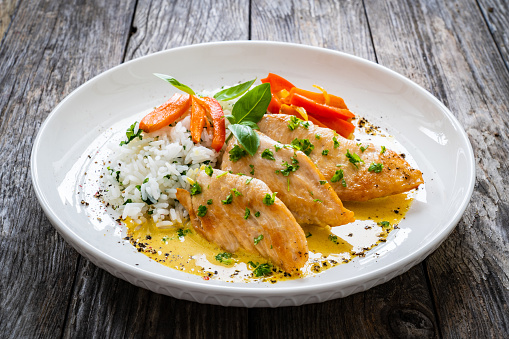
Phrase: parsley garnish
[247,213]
[228,200]
[257,214]
[195,188]
[202,211]
[267,154]
[364,148]
[277,147]
[374,167]
[224,258]
[236,192]
[337,176]
[336,142]
[353,158]
[248,181]
[262,269]
[343,182]
[269,199]
[221,175]
[333,238]
[325,152]
[384,224]
[295,122]
[209,171]
[258,239]
[323,182]
[252,169]
[317,200]
[303,145]
[288,168]
[209,202]
[182,232]
[317,136]
[131,135]
[383,150]
[236,153]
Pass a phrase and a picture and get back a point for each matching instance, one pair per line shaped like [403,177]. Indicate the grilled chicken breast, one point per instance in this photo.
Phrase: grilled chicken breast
[375,173]
[297,181]
[233,210]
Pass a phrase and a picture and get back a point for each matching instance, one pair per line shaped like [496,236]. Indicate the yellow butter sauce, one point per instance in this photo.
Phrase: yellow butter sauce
[183,249]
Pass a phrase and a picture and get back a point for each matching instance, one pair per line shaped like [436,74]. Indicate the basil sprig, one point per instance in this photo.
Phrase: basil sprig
[176,83]
[247,111]
[234,92]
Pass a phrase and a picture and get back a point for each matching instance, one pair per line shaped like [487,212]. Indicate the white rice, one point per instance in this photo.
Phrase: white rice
[150,171]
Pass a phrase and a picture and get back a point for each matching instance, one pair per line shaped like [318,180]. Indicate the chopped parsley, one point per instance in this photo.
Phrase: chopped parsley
[277,147]
[261,270]
[224,258]
[236,192]
[383,150]
[334,238]
[325,152]
[131,135]
[195,188]
[221,175]
[343,182]
[228,200]
[209,171]
[236,153]
[247,213]
[318,200]
[209,202]
[252,169]
[323,182]
[375,167]
[182,232]
[288,168]
[364,148]
[384,224]
[269,199]
[267,154]
[296,122]
[128,201]
[337,176]
[317,136]
[336,142]
[202,211]
[303,145]
[248,181]
[258,239]
[353,158]
[257,214]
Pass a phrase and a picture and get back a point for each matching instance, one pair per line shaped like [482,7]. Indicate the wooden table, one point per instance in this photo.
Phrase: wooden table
[458,50]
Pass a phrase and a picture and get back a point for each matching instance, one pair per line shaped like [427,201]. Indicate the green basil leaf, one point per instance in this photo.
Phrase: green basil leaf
[234,92]
[253,105]
[176,83]
[250,124]
[246,136]
[231,119]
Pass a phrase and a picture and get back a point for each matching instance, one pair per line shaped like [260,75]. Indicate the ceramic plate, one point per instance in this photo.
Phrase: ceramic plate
[424,126]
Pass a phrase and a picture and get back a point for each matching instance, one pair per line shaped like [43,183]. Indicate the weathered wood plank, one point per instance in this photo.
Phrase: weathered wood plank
[119,309]
[496,14]
[447,48]
[401,307]
[41,60]
[7,8]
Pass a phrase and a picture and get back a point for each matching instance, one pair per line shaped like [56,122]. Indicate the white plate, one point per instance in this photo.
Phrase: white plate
[417,119]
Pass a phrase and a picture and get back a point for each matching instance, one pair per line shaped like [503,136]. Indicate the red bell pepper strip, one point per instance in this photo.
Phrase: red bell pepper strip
[197,119]
[319,97]
[277,84]
[217,115]
[342,127]
[320,110]
[166,114]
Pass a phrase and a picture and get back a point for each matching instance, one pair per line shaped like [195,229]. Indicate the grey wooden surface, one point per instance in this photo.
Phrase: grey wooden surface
[458,50]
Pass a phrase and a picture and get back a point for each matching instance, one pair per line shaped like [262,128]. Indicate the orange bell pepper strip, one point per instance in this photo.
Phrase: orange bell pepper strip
[217,115]
[277,84]
[290,110]
[342,127]
[166,114]
[320,110]
[197,119]
[319,97]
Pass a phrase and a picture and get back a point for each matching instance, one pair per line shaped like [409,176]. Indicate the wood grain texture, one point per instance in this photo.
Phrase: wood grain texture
[457,61]
[7,9]
[49,49]
[496,14]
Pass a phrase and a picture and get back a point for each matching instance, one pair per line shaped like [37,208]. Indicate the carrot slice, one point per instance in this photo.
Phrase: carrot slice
[320,110]
[319,97]
[197,119]
[217,115]
[166,114]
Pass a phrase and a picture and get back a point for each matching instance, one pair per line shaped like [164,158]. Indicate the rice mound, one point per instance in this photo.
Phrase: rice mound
[142,177]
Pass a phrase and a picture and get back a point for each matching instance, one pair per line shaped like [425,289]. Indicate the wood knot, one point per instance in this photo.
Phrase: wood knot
[410,323]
